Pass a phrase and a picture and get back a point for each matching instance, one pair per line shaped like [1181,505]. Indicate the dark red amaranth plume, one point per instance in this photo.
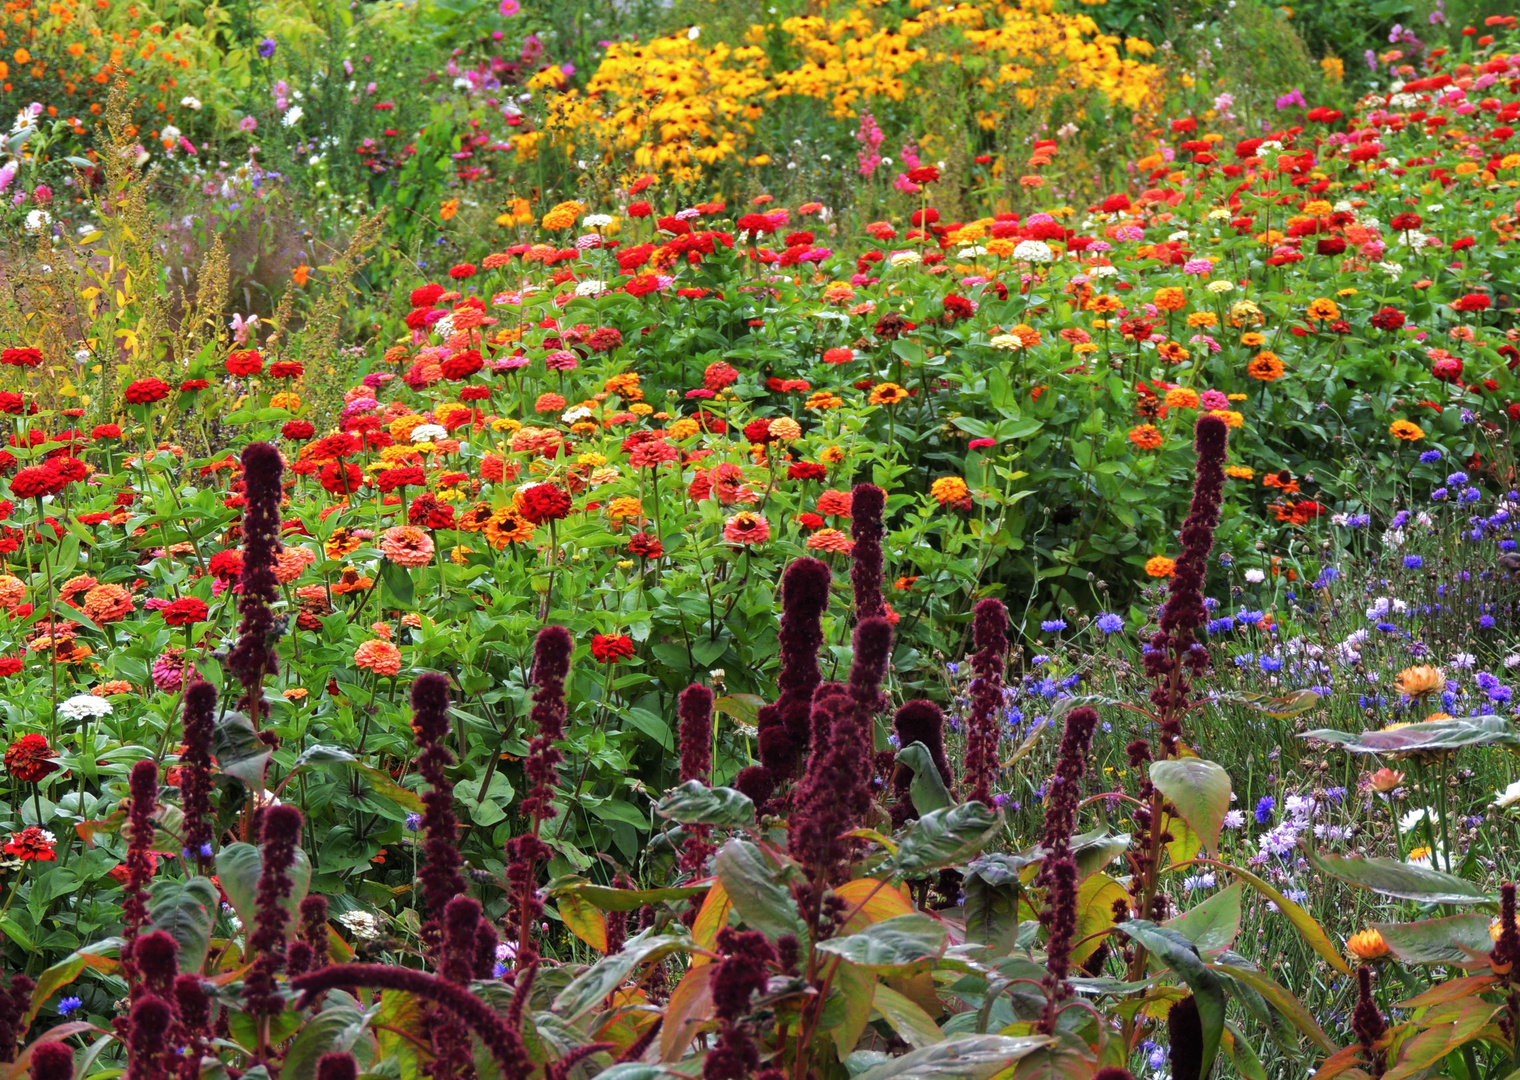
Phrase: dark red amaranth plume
[253,658]
[195,772]
[736,979]
[551,666]
[1184,1028]
[1059,872]
[784,725]
[52,1061]
[337,1066]
[922,722]
[694,708]
[835,791]
[142,785]
[440,876]
[193,1023]
[1174,650]
[147,1049]
[309,952]
[451,1040]
[15,1000]
[1367,1022]
[486,941]
[1113,1072]
[499,1037]
[989,632]
[281,838]
[867,505]
[157,958]
[561,1069]
[1507,948]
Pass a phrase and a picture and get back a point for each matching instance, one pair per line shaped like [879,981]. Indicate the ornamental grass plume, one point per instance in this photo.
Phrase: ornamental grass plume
[867,503]
[52,1061]
[551,665]
[1173,649]
[280,829]
[195,772]
[440,877]
[500,1038]
[784,725]
[918,721]
[1367,1022]
[1059,871]
[253,658]
[989,632]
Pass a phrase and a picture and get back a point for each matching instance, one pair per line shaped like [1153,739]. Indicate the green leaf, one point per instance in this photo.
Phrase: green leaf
[955,834]
[1430,735]
[1277,997]
[238,749]
[334,1030]
[186,911]
[587,989]
[756,890]
[743,709]
[992,888]
[1453,941]
[1301,920]
[1214,924]
[609,899]
[928,789]
[892,943]
[380,781]
[1390,877]
[1289,705]
[1181,955]
[1200,790]
[401,1014]
[914,1026]
[98,956]
[694,803]
[396,581]
[976,1057]
[238,867]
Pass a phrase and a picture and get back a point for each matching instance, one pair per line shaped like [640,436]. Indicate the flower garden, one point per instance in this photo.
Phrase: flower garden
[536,556]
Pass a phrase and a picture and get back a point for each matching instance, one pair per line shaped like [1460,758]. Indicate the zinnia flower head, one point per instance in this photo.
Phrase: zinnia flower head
[746,527]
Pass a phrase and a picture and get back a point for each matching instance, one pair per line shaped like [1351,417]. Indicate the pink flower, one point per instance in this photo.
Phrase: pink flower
[746,527]
[1213,399]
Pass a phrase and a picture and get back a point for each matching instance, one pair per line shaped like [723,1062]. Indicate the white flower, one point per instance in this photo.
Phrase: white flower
[293,116]
[361,924]
[597,221]
[461,83]
[1411,820]
[1392,269]
[970,252]
[1435,208]
[1180,236]
[1103,271]
[1511,660]
[694,33]
[1394,538]
[1035,251]
[1221,286]
[1219,213]
[580,412]
[1255,576]
[428,432]
[1509,796]
[85,706]
[1008,342]
[168,134]
[903,258]
[1463,660]
[191,103]
[444,327]
[38,220]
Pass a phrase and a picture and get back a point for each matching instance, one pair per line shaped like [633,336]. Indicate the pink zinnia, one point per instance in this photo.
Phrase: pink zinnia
[746,527]
[169,670]
[1213,399]
[562,360]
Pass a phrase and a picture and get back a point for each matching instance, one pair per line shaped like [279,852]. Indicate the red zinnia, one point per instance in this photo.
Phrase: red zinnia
[147,391]
[185,611]
[298,430]
[27,759]
[21,357]
[36,481]
[543,502]
[1388,318]
[462,270]
[245,362]
[609,649]
[32,844]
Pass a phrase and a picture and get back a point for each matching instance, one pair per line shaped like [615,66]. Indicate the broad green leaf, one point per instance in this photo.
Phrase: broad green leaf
[185,909]
[694,803]
[758,895]
[238,750]
[1200,790]
[585,920]
[1280,999]
[1181,955]
[335,1029]
[858,987]
[401,1015]
[98,956]
[945,837]
[1428,736]
[238,867]
[895,943]
[977,1057]
[689,1007]
[380,781]
[991,887]
[587,989]
[927,789]
[1452,941]
[904,1016]
[610,899]
[1281,708]
[1095,913]
[1301,920]
[1390,877]
[1214,924]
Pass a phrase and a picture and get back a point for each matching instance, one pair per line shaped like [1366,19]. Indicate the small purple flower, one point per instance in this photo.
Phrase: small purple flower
[267,48]
[1264,809]
[1109,623]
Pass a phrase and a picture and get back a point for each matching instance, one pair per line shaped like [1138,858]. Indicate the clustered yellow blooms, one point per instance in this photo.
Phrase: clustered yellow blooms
[678,105]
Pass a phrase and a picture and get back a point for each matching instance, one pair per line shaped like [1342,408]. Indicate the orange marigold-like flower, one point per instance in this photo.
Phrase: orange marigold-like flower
[1266,367]
[1182,397]
[1406,430]
[784,428]
[831,540]
[12,590]
[107,603]
[1420,681]
[1367,945]
[1170,298]
[407,545]
[888,394]
[1324,310]
[834,503]
[292,563]
[948,489]
[1145,436]
[381,657]
[1160,566]
[507,526]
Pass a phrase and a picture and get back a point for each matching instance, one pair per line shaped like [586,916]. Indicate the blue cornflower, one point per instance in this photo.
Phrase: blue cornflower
[1359,521]
[1400,519]
[267,47]
[413,822]
[1506,545]
[1269,663]
[1248,618]
[1264,809]
[1471,495]
[1456,478]
[1486,622]
[1485,680]
[1413,562]
[1109,623]
[1430,457]
[1440,494]
[1053,626]
[1501,695]
[68,1005]
[1244,660]
[1387,627]
[1226,559]
[1335,794]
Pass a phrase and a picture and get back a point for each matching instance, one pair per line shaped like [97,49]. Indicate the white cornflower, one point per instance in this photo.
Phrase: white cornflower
[85,707]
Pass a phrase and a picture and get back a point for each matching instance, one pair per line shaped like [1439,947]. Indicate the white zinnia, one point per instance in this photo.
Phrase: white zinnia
[1035,251]
[85,706]
[428,432]
[361,924]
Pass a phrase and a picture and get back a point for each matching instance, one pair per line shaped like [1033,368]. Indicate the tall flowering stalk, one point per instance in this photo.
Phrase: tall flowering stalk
[737,978]
[867,505]
[195,772]
[694,708]
[281,838]
[309,951]
[142,785]
[551,665]
[989,632]
[785,724]
[440,877]
[193,1008]
[15,999]
[52,1061]
[253,658]
[918,721]
[1367,1023]
[1184,1028]
[1059,871]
